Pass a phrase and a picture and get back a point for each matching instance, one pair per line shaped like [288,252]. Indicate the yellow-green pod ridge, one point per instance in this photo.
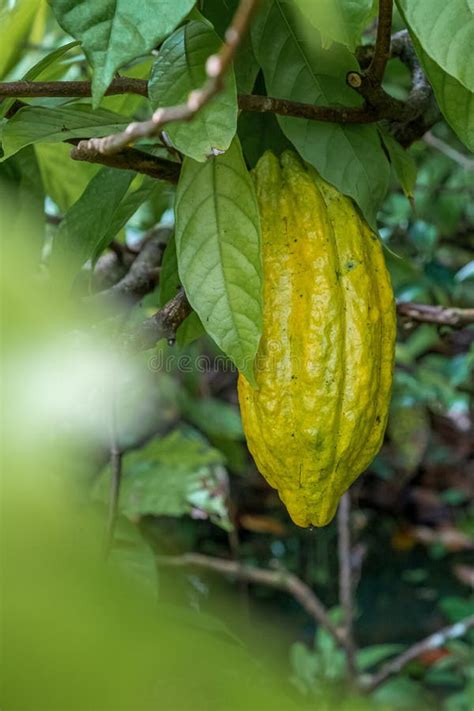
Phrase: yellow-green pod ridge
[316,417]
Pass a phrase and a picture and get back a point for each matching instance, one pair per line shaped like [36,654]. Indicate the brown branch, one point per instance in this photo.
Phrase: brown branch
[333,114]
[442,315]
[129,159]
[345,579]
[140,279]
[434,641]
[376,69]
[69,89]
[163,324]
[216,69]
[277,579]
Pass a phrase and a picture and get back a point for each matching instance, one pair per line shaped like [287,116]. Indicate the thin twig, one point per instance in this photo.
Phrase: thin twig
[434,641]
[442,315]
[376,69]
[115,479]
[459,158]
[216,69]
[277,579]
[345,579]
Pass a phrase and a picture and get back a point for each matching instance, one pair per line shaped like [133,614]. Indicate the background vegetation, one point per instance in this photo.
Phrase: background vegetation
[211,597]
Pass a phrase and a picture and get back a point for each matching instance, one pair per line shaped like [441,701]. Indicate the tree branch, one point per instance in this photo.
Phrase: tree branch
[443,315]
[163,324]
[434,641]
[140,279]
[408,119]
[216,69]
[70,89]
[129,159]
[277,579]
[376,69]
[345,579]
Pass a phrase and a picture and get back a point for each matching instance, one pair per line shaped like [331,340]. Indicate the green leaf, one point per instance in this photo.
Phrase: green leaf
[141,189]
[213,417]
[179,69]
[16,21]
[36,124]
[190,330]
[455,101]
[370,656]
[218,247]
[402,161]
[114,32]
[88,221]
[338,20]
[22,190]
[348,156]
[169,278]
[445,32]
[37,70]
[172,476]
[259,132]
[64,179]
[170,283]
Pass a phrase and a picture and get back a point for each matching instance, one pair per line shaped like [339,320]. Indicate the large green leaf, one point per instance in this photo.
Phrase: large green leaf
[218,247]
[445,31]
[114,32]
[179,474]
[348,156]
[455,101]
[179,69]
[36,124]
[87,223]
[338,20]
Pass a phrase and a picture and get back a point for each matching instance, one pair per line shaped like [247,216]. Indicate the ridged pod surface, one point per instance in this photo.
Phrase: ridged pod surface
[317,415]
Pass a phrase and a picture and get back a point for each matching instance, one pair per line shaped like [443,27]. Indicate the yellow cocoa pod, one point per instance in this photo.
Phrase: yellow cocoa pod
[316,417]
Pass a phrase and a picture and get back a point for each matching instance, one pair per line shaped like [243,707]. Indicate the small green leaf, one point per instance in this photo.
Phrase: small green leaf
[114,32]
[348,156]
[88,221]
[445,32]
[402,161]
[37,124]
[339,20]
[370,656]
[259,132]
[170,283]
[218,247]
[179,69]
